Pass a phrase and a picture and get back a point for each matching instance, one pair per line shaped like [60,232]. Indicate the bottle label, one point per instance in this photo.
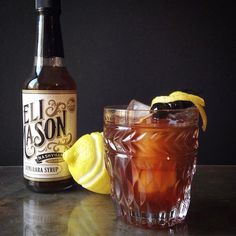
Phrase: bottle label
[49,129]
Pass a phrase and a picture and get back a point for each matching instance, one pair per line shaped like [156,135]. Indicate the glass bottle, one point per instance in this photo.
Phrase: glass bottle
[49,107]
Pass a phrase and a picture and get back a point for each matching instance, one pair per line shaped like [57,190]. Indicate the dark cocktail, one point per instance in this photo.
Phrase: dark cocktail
[151,160]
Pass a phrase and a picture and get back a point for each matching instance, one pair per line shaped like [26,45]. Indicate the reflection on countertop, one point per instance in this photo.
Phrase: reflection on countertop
[56,215]
[43,217]
[91,215]
[79,212]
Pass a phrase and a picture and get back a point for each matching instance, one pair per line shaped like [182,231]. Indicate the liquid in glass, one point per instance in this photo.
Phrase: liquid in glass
[151,163]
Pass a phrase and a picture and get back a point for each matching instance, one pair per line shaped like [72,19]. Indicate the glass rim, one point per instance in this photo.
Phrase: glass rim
[123,108]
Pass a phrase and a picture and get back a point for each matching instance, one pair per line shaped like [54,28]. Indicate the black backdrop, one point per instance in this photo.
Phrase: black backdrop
[117,50]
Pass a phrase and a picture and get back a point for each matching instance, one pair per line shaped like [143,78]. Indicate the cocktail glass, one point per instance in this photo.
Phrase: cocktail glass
[151,160]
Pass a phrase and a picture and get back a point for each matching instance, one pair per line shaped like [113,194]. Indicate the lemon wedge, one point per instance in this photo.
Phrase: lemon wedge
[182,96]
[86,163]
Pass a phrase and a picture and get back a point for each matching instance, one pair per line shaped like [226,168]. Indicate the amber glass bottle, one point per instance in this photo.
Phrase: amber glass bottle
[49,107]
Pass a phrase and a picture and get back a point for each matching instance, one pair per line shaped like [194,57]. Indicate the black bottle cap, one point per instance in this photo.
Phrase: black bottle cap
[53,4]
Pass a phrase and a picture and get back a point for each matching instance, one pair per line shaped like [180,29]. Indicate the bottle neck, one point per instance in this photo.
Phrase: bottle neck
[49,45]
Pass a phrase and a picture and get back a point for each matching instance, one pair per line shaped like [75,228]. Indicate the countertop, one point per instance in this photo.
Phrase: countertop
[80,212]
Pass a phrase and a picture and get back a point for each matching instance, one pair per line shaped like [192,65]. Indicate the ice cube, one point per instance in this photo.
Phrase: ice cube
[136,105]
[137,111]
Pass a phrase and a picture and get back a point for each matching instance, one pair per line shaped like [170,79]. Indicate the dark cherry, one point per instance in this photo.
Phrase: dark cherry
[181,104]
[162,107]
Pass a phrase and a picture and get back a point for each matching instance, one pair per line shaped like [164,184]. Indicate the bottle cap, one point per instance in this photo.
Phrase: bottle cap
[42,4]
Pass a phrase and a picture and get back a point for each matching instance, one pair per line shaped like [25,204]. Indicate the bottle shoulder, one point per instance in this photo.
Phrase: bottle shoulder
[50,78]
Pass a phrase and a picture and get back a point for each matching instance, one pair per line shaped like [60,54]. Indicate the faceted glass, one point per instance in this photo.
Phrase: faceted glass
[151,160]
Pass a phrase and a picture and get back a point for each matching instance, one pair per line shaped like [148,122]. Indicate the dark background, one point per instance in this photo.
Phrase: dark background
[117,50]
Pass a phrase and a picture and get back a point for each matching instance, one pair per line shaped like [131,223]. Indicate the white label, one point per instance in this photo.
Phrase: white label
[49,129]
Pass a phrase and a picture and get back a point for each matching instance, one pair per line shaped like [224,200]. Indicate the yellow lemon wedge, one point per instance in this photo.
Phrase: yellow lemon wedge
[86,163]
[182,96]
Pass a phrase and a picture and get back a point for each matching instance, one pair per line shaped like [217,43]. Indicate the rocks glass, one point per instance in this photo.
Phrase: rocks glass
[151,160]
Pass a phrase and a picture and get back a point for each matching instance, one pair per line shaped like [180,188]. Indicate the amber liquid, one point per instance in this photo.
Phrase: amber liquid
[151,168]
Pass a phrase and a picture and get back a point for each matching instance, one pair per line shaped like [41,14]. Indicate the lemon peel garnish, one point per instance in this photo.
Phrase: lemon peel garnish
[203,116]
[188,97]
[182,96]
